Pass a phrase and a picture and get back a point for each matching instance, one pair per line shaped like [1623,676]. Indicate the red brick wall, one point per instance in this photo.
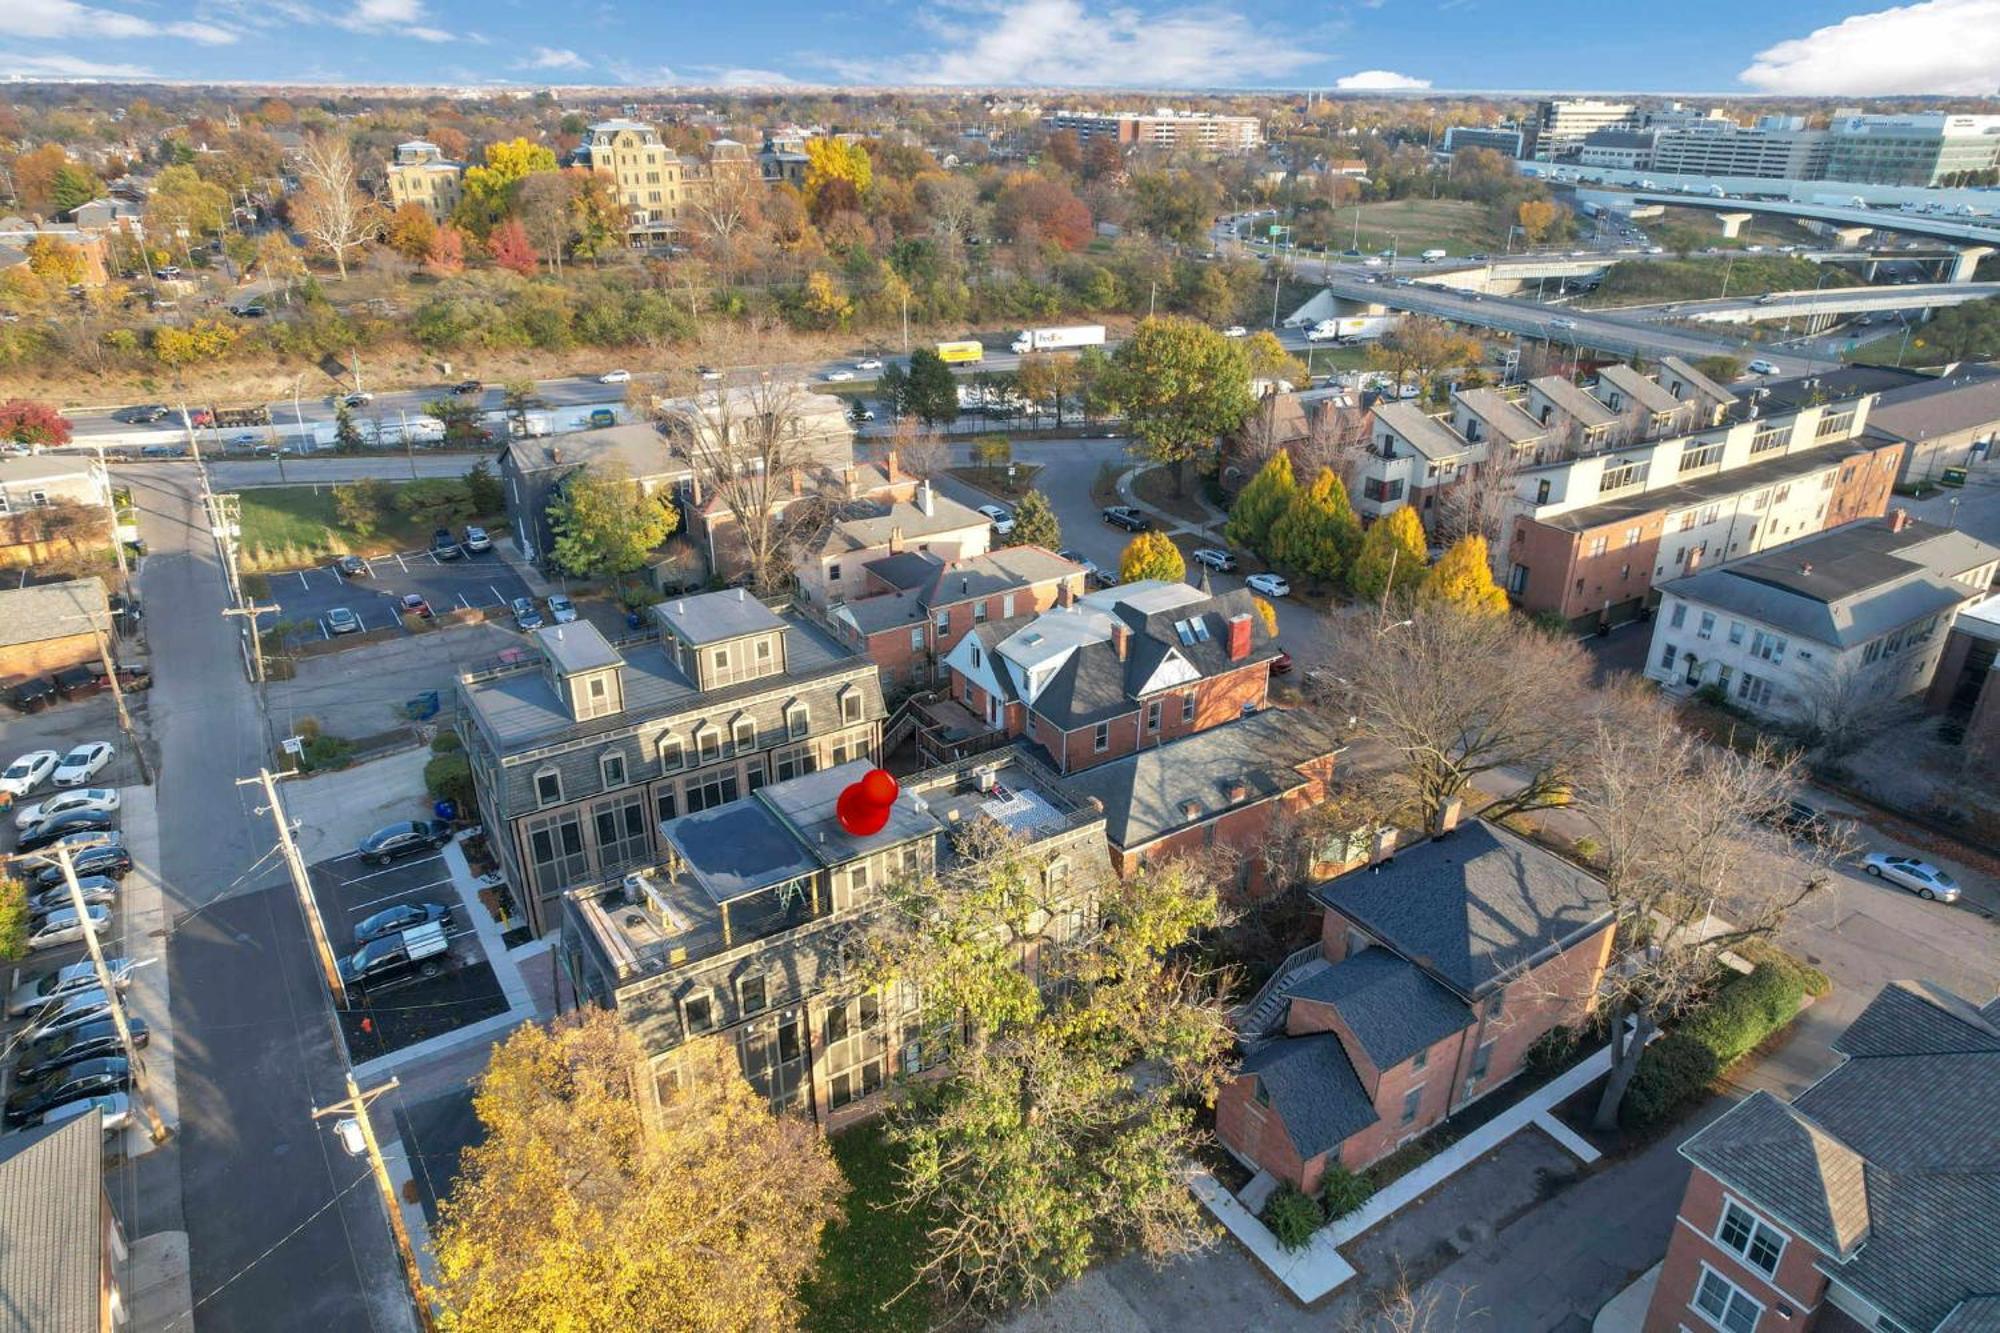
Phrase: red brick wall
[1217,699]
[1389,1132]
[891,651]
[1244,830]
[1796,1283]
[1558,558]
[1259,1134]
[1863,485]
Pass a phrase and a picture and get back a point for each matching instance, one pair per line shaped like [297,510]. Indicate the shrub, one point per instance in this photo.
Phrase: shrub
[324,752]
[1341,1192]
[1293,1217]
[13,918]
[449,778]
[446,742]
[1551,1051]
[1679,1067]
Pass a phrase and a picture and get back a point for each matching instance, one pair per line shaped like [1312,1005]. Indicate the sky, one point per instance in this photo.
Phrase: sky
[1798,47]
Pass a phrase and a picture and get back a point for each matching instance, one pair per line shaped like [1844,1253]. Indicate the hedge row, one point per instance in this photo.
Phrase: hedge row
[1294,1216]
[1681,1066]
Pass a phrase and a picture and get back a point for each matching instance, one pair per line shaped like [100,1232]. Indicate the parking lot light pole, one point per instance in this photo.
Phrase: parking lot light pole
[108,984]
[301,883]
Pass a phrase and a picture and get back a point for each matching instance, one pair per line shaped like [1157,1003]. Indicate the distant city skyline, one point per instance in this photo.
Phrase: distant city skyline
[1850,48]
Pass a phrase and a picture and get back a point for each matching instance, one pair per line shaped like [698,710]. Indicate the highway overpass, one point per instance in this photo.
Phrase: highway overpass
[1828,302]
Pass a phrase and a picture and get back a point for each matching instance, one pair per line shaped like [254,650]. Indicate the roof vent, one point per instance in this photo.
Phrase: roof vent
[1805,567]
[739,594]
[680,608]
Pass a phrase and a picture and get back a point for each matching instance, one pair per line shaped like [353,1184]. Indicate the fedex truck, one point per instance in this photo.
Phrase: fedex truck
[1050,340]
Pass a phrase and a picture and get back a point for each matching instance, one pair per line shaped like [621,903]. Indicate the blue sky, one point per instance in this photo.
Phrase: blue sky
[1818,47]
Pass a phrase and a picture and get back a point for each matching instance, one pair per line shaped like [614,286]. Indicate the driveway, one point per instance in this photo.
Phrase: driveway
[361,692]
[469,582]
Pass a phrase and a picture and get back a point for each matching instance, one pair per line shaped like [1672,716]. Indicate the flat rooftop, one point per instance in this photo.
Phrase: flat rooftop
[714,617]
[1686,494]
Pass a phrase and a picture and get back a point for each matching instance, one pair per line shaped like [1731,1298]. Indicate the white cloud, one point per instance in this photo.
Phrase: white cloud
[1050,43]
[1379,81]
[52,19]
[548,57]
[1948,47]
[405,17]
[67,67]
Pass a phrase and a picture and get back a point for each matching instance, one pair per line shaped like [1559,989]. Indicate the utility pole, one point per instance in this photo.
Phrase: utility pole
[97,619]
[154,1125]
[117,544]
[356,1109]
[300,883]
[252,637]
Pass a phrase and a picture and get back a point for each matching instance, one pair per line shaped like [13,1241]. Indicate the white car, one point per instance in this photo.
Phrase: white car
[84,763]
[1236,331]
[1560,323]
[1919,877]
[28,772]
[38,993]
[89,798]
[615,377]
[116,1106]
[562,610]
[1763,367]
[62,927]
[1003,522]
[1268,584]
[869,363]
[839,376]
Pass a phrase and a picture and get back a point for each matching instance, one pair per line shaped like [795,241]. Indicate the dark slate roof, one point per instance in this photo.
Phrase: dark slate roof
[1093,686]
[51,1251]
[1389,1004]
[1472,907]
[717,616]
[905,569]
[1838,385]
[1890,1164]
[1314,1090]
[1979,1314]
[1145,794]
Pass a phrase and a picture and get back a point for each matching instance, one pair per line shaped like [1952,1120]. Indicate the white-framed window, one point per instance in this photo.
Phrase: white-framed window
[916,638]
[707,743]
[611,767]
[752,994]
[1757,1242]
[798,721]
[672,753]
[1723,1304]
[943,622]
[744,732]
[1413,1102]
[1187,706]
[548,787]
[850,705]
[1679,616]
[1706,630]
[698,1012]
[1153,715]
[1736,633]
[1667,655]
[1770,647]
[1101,741]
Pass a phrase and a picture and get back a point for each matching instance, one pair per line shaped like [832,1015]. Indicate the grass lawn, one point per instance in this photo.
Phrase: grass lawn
[1415,225]
[287,527]
[1156,487]
[994,481]
[1326,360]
[1654,281]
[866,1260]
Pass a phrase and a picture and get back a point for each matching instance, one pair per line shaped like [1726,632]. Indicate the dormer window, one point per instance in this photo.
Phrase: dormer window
[707,743]
[672,753]
[548,787]
[798,721]
[611,767]
[850,705]
[743,731]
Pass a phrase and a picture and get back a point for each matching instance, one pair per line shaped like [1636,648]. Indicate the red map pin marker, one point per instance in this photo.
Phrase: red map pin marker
[863,807]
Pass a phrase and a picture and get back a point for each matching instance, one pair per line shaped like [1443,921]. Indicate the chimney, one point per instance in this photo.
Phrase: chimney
[1382,848]
[1190,809]
[1693,561]
[1236,789]
[924,501]
[1898,519]
[896,539]
[1121,638]
[964,586]
[847,482]
[1065,595]
[890,467]
[1805,567]
[741,596]
[798,483]
[1448,815]
[1239,636]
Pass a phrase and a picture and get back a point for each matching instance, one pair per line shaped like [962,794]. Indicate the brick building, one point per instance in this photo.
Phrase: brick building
[419,173]
[658,186]
[46,627]
[1117,671]
[1964,686]
[1436,969]
[1866,1202]
[907,517]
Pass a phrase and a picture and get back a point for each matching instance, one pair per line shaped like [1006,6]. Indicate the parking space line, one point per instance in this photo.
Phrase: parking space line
[377,874]
[463,603]
[399,561]
[304,582]
[414,888]
[498,600]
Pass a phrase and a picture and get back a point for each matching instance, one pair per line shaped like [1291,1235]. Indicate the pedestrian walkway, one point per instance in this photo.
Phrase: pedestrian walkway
[1169,523]
[1626,1312]
[1317,1269]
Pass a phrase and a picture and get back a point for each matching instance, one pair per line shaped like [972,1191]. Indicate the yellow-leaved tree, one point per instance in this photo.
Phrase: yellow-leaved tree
[1462,579]
[1151,555]
[587,1207]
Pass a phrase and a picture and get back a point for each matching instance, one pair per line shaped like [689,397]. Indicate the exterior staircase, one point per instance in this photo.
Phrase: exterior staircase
[1256,1020]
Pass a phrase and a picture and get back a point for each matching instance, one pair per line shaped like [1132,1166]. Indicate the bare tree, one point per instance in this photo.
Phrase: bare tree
[1846,703]
[331,211]
[1336,437]
[953,203]
[724,212]
[1687,869]
[543,203]
[919,452]
[761,456]
[1481,502]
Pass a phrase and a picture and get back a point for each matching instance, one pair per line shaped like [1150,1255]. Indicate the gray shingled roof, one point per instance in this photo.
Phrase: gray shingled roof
[1432,438]
[1388,1003]
[51,1252]
[1683,371]
[1501,415]
[1314,1090]
[905,569]
[1944,407]
[1913,1107]
[1145,794]
[49,610]
[1093,686]
[1010,567]
[1573,401]
[1472,907]
[1635,386]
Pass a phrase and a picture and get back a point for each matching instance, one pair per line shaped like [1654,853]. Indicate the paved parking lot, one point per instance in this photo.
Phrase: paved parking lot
[63,725]
[403,1011]
[306,595]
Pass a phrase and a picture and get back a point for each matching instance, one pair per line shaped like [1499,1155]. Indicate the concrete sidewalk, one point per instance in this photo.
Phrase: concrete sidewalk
[1168,523]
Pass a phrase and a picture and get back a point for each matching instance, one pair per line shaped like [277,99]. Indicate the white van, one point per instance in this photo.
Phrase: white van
[1432,256]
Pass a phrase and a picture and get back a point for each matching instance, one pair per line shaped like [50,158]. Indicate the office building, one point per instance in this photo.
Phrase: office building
[1561,124]
[1501,139]
[1929,149]
[1203,131]
[421,174]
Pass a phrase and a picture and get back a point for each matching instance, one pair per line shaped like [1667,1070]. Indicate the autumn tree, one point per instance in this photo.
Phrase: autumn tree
[837,171]
[279,260]
[1270,360]
[1151,555]
[919,452]
[487,194]
[1261,504]
[410,232]
[1047,377]
[330,209]
[1318,534]
[605,523]
[1535,217]
[34,176]
[1036,208]
[73,187]
[726,215]
[25,421]
[1421,350]
[1174,206]
[1035,523]
[1462,580]
[512,250]
[181,206]
[1182,385]
[446,254]
[823,304]
[596,219]
[595,1202]
[1042,1147]
[1481,502]
[1392,559]
[56,260]
[206,340]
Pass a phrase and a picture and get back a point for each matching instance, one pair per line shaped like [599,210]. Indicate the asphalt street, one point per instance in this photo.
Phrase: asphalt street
[282,1234]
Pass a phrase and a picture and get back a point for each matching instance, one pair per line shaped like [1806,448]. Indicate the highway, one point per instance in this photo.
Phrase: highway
[1912,297]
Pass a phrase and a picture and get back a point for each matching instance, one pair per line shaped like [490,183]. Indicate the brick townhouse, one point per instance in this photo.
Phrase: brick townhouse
[579,747]
[744,931]
[1117,671]
[917,521]
[1436,969]
[1867,1202]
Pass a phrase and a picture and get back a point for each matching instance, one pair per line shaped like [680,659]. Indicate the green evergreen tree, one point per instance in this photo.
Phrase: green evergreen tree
[1318,534]
[1393,554]
[1035,523]
[1262,503]
[346,434]
[930,390]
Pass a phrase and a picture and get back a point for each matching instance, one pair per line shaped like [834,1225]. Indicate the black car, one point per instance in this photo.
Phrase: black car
[400,917]
[1128,518]
[78,682]
[405,839]
[1800,820]
[351,567]
[71,821]
[32,696]
[468,386]
[112,862]
[87,1078]
[444,546]
[96,889]
[164,451]
[144,416]
[92,1041]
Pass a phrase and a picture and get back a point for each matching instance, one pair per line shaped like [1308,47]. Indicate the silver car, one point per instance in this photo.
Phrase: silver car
[1919,877]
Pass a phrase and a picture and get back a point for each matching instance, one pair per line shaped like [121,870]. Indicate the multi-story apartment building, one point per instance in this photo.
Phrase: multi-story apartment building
[421,174]
[1920,148]
[745,928]
[579,752]
[1124,669]
[1865,1202]
[1561,124]
[1824,626]
[1203,131]
[657,185]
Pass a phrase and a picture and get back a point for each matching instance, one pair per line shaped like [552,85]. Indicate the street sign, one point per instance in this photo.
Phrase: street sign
[1275,231]
[295,745]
